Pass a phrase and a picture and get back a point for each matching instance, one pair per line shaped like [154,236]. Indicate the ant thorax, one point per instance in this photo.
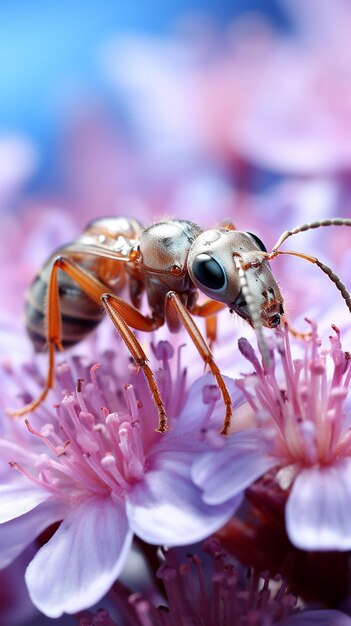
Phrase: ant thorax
[164,249]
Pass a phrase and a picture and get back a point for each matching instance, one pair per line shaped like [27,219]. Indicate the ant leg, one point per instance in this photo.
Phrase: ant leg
[209,311]
[95,290]
[211,330]
[175,308]
[337,221]
[296,333]
[53,336]
[31,406]
[121,319]
[228,224]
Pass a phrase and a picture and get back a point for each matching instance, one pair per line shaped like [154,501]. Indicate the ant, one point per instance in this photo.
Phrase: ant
[171,261]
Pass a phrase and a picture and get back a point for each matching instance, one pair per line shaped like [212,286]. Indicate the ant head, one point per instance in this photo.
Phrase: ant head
[213,263]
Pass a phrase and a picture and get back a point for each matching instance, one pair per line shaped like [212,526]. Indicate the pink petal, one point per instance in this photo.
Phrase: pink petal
[317,618]
[167,508]
[18,533]
[82,560]
[318,508]
[226,472]
[19,497]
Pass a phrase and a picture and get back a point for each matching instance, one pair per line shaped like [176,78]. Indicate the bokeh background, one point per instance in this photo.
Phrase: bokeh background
[60,59]
[205,110]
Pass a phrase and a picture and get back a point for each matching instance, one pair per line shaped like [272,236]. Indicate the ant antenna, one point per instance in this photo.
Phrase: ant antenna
[253,309]
[325,268]
[338,221]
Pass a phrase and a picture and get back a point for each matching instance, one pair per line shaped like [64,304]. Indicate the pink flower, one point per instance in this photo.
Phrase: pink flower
[243,93]
[302,432]
[18,162]
[304,127]
[193,89]
[211,591]
[107,474]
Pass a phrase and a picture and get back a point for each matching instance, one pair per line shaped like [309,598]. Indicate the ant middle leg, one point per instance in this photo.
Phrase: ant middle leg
[209,311]
[175,308]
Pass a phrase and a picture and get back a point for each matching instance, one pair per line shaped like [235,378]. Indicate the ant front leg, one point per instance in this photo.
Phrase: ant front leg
[122,315]
[175,308]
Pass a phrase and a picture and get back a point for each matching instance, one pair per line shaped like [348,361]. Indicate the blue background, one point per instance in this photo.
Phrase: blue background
[46,44]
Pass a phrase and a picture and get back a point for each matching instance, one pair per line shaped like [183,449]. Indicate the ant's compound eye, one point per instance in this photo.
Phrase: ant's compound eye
[208,272]
[259,242]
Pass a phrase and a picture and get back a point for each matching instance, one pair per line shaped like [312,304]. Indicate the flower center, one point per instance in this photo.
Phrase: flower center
[101,454]
[309,411]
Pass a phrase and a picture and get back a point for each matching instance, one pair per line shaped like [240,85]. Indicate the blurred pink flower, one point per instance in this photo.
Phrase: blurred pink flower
[211,591]
[18,162]
[243,94]
[188,94]
[303,432]
[299,120]
[107,474]
[101,171]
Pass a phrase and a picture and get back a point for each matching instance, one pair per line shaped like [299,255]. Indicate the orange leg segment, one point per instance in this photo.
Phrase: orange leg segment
[296,333]
[114,307]
[211,330]
[122,315]
[209,311]
[174,306]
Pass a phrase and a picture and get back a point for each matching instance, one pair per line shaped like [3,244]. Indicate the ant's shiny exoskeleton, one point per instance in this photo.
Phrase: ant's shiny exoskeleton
[170,261]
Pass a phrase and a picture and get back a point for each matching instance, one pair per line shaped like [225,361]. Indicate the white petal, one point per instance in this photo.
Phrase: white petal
[19,497]
[317,618]
[82,560]
[318,508]
[228,471]
[18,533]
[167,508]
